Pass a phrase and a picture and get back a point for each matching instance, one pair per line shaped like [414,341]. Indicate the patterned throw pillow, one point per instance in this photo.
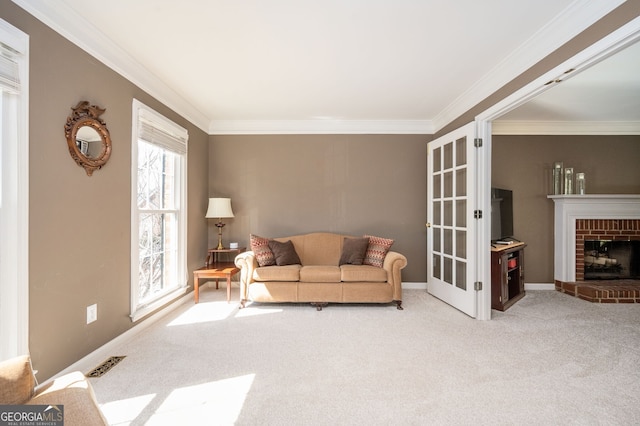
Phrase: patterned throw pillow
[260,247]
[376,250]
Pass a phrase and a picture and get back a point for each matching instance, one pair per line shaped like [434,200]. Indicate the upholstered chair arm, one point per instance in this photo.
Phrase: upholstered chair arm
[394,262]
[247,263]
[17,382]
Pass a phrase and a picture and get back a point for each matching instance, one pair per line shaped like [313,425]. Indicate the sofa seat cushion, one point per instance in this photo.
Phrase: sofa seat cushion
[362,273]
[320,274]
[277,273]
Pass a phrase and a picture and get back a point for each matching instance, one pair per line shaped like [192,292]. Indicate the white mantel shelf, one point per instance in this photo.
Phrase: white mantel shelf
[603,197]
[568,208]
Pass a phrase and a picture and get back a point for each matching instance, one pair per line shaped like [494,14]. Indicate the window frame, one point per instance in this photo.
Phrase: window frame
[142,115]
[15,291]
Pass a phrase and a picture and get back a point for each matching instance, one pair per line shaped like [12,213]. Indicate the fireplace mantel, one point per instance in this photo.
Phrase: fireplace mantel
[569,208]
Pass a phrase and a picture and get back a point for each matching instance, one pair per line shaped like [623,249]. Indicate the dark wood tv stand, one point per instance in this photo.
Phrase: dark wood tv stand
[507,275]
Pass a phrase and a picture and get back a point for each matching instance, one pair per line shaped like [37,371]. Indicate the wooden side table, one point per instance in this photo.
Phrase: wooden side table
[216,269]
[214,254]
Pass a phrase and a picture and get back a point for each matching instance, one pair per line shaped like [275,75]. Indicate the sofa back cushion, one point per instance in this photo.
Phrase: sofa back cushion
[317,248]
[17,382]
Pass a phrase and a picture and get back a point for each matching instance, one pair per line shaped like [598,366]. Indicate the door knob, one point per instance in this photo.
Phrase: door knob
[428,225]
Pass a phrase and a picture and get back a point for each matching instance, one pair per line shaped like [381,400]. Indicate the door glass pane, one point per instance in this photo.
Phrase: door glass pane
[448,156]
[448,184]
[461,151]
[448,213]
[448,242]
[461,213]
[437,159]
[437,244]
[437,270]
[461,182]
[461,275]
[461,244]
[448,270]
[437,186]
[437,214]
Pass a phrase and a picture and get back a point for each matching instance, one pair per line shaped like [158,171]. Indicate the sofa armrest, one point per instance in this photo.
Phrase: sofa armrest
[247,263]
[394,262]
[75,393]
[17,382]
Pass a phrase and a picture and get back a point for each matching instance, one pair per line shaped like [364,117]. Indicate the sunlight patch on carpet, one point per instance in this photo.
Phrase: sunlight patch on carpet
[221,400]
[251,312]
[205,312]
[125,411]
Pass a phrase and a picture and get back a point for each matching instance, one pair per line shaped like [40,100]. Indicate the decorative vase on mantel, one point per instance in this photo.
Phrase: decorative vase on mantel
[557,178]
[568,180]
[581,184]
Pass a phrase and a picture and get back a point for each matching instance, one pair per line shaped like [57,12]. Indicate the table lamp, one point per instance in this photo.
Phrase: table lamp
[219,208]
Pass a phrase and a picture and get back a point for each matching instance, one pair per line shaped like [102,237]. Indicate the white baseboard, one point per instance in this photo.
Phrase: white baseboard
[527,286]
[414,286]
[99,355]
[539,286]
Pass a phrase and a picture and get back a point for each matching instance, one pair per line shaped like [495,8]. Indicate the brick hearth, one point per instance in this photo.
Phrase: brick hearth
[602,291]
[614,291]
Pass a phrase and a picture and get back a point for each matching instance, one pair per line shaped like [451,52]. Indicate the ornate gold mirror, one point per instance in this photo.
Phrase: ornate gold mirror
[88,138]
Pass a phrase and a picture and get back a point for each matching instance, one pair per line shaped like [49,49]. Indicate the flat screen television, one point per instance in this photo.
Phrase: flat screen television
[501,214]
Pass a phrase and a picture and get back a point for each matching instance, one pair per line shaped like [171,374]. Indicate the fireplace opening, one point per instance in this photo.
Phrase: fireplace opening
[611,259]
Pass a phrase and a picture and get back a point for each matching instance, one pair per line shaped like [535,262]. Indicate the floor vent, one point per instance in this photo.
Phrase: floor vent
[103,368]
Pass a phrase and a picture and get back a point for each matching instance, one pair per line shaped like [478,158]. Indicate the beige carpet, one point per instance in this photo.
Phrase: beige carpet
[550,359]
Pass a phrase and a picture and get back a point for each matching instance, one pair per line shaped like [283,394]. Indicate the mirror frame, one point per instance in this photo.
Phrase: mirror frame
[85,114]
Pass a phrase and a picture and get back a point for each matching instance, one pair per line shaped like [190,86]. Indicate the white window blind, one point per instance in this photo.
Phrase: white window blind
[158,130]
[9,70]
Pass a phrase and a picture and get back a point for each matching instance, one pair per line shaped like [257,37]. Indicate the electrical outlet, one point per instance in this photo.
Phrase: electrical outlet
[92,313]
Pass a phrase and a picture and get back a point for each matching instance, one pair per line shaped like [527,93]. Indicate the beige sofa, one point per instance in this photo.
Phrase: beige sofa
[72,391]
[319,279]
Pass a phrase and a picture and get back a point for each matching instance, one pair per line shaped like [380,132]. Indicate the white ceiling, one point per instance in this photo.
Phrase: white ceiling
[604,98]
[331,66]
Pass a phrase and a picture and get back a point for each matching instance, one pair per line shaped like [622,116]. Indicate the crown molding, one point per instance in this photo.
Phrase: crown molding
[280,127]
[65,21]
[513,127]
[577,17]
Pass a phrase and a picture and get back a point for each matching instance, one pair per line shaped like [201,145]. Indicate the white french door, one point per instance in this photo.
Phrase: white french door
[451,227]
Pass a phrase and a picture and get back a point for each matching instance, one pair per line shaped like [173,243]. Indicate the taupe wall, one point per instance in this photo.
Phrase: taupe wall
[80,226]
[283,185]
[523,164]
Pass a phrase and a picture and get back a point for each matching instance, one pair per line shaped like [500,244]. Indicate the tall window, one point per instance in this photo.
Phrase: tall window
[14,192]
[159,210]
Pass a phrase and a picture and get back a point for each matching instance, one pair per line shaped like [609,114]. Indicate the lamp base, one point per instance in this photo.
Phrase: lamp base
[220,225]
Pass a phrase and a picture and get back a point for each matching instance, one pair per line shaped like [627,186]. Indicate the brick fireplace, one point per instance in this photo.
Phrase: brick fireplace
[593,217]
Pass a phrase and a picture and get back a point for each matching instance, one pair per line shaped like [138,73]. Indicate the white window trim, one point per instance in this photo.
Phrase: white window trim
[141,111]
[18,296]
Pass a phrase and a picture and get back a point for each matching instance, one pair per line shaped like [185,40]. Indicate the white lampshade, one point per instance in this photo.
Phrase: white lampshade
[219,208]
